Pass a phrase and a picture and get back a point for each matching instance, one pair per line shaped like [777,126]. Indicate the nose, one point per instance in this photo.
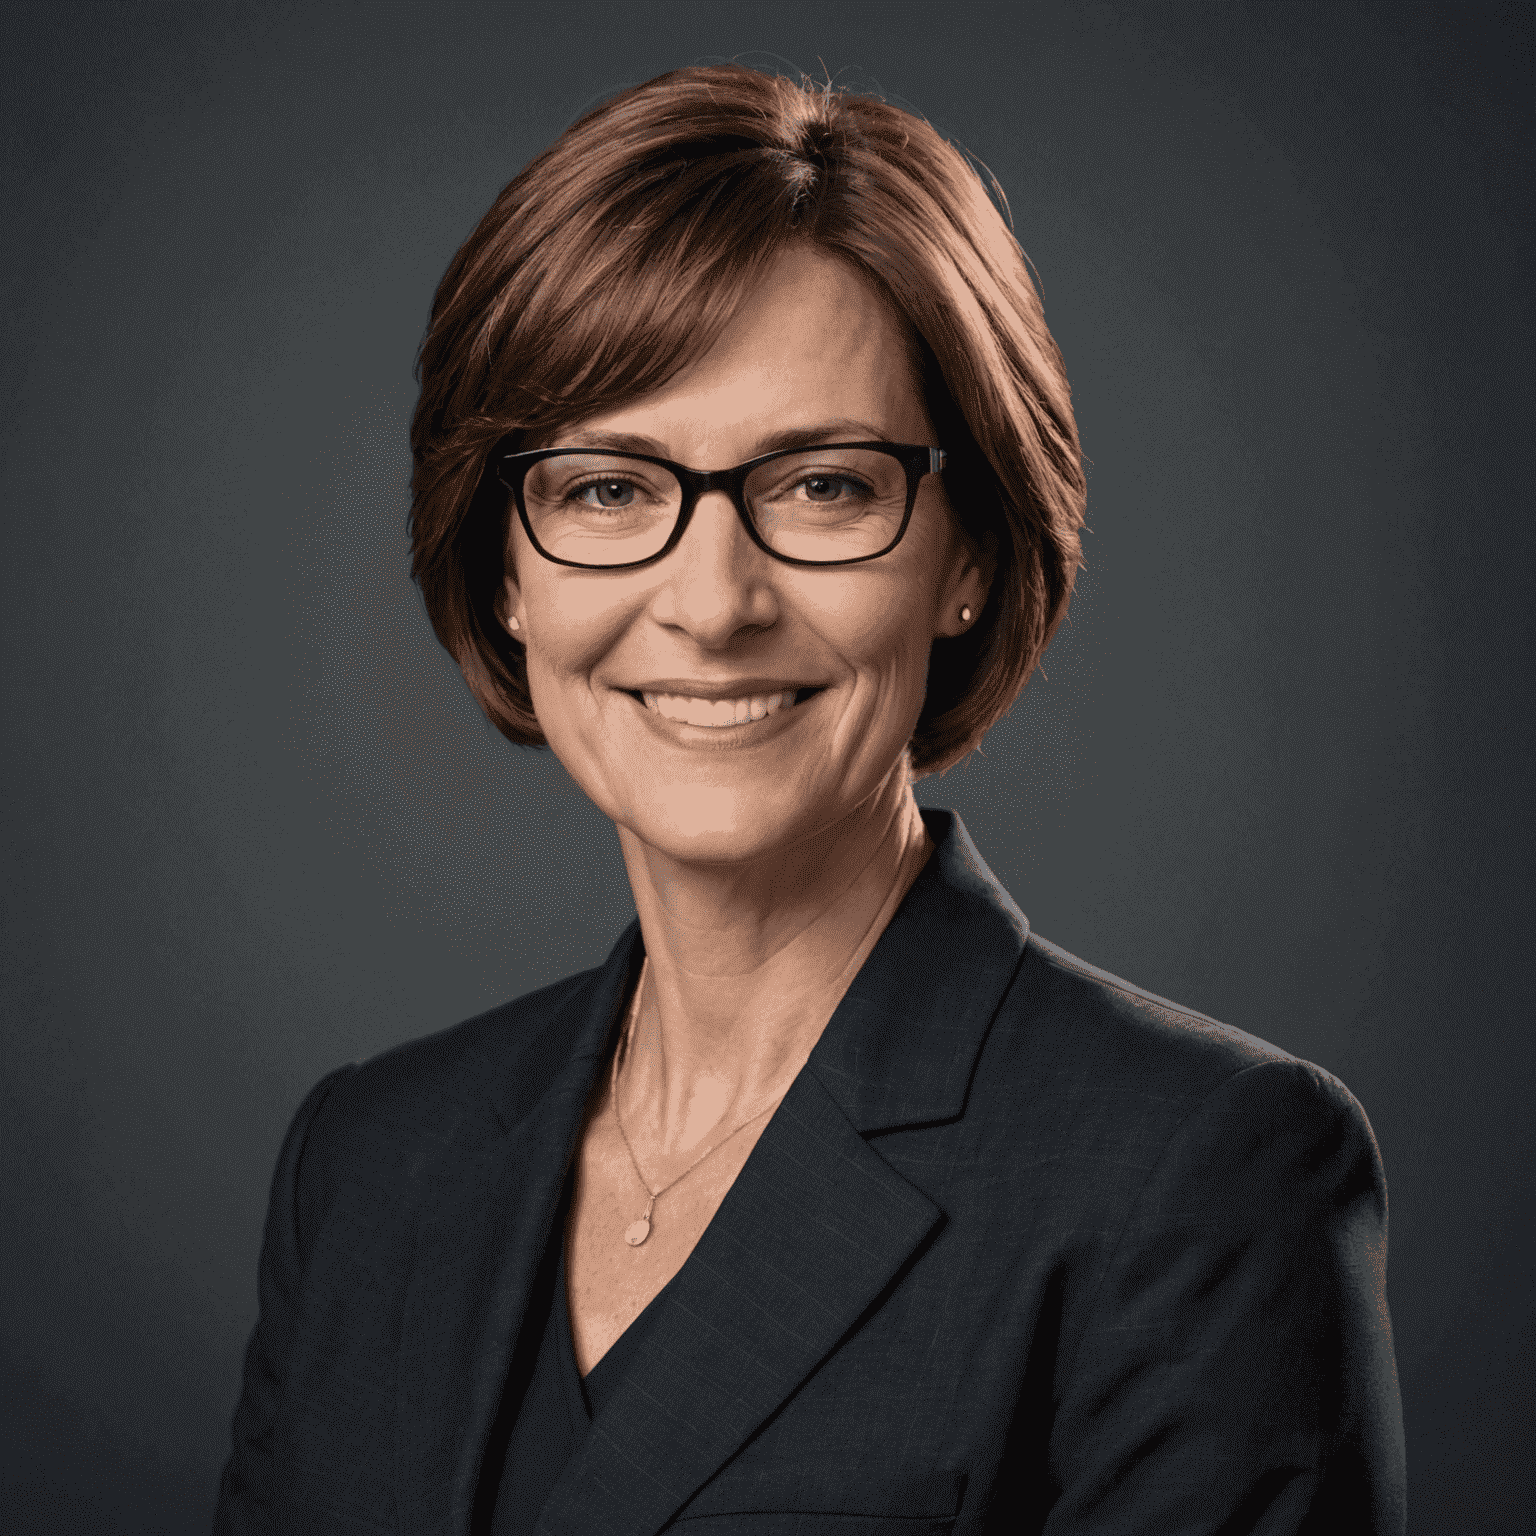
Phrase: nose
[717,582]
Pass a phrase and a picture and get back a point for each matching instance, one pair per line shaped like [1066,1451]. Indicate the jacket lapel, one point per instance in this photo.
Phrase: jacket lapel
[489,1196]
[808,1236]
[817,1225]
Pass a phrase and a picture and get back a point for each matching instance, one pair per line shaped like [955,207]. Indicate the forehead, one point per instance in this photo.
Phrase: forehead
[815,342]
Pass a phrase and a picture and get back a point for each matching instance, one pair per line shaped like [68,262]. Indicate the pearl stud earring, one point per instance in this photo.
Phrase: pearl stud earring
[512,623]
[965,616]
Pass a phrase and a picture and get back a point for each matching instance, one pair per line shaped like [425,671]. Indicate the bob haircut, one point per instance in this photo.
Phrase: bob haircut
[620,254]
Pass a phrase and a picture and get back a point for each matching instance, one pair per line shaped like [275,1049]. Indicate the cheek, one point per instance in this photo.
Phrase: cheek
[570,632]
[887,646]
[894,651]
[572,620]
[570,711]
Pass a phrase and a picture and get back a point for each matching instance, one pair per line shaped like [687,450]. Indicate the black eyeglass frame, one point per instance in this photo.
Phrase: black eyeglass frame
[917,459]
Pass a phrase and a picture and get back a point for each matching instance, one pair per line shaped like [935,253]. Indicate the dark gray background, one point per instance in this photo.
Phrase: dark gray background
[256,827]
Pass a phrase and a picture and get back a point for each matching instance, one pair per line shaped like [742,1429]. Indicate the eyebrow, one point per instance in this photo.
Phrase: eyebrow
[840,430]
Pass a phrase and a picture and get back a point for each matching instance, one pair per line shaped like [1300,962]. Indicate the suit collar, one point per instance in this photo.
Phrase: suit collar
[813,1230]
[518,1057]
[902,1045]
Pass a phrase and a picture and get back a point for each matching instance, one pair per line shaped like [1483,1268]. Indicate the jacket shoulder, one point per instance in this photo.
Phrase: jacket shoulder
[505,1041]
[1100,1025]
[370,1127]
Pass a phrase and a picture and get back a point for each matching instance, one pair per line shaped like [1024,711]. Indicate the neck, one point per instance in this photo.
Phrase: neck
[747,962]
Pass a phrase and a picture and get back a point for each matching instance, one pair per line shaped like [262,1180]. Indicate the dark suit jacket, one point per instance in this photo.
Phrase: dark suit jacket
[1024,1248]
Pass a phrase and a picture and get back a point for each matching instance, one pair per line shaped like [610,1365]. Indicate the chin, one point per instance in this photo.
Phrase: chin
[719,824]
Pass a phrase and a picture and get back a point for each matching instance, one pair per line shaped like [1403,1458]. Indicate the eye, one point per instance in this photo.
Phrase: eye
[825,487]
[609,492]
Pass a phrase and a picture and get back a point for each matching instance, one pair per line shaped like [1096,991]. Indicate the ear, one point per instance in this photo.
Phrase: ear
[972,567]
[509,609]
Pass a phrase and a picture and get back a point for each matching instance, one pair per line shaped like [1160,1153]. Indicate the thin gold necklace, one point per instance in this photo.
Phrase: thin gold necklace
[637,1231]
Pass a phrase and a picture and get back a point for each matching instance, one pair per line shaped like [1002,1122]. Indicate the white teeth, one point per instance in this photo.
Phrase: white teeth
[717,712]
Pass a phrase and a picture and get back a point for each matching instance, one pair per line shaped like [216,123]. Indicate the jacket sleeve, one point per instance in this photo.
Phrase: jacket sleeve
[1234,1370]
[245,1505]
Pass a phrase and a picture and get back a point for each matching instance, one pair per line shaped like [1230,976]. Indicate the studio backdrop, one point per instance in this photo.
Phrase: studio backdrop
[1275,768]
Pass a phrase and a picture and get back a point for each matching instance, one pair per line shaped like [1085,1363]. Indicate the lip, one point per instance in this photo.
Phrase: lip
[731,688]
[751,733]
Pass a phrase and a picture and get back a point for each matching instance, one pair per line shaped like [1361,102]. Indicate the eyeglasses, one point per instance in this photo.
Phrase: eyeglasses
[835,504]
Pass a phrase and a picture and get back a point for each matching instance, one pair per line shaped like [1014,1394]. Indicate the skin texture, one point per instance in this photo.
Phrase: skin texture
[763,867]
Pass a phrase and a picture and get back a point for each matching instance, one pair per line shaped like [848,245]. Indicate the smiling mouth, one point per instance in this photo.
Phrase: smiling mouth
[716,714]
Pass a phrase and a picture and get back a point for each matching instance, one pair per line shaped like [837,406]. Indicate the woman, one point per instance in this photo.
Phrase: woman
[835,1200]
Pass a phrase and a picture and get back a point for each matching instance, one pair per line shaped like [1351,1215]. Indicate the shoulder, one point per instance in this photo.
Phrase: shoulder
[371,1125]
[1104,1014]
[506,1044]
[1175,1141]
[1107,1064]
[1093,1016]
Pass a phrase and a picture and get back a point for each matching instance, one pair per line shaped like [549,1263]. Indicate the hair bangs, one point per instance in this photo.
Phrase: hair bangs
[663,280]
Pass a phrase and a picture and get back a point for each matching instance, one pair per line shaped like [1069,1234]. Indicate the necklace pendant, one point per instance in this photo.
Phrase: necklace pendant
[637,1232]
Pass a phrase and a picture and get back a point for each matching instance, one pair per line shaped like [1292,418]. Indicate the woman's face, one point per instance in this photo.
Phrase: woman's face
[719,618]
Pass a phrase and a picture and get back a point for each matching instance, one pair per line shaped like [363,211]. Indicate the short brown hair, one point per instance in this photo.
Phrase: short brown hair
[619,255]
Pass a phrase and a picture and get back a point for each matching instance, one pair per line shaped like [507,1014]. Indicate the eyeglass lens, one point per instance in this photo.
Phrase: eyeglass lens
[819,504]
